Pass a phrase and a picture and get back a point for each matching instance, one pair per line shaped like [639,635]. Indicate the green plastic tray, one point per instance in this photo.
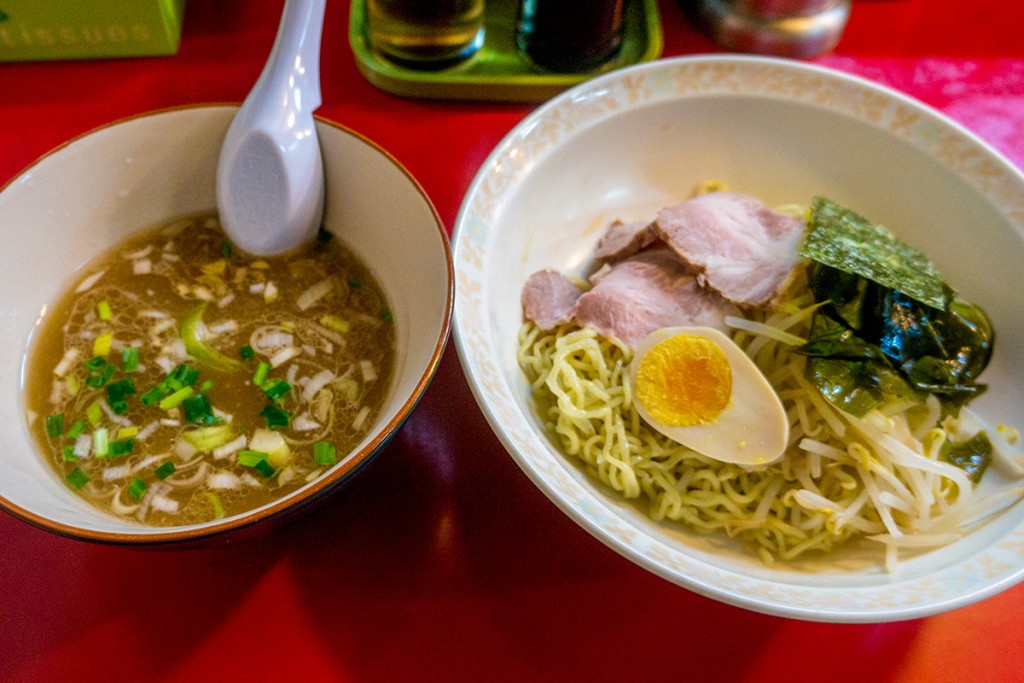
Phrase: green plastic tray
[497,71]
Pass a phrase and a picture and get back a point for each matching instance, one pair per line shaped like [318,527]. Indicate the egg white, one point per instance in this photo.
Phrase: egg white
[751,430]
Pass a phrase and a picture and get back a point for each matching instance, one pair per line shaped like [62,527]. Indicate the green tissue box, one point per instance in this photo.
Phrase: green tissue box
[33,30]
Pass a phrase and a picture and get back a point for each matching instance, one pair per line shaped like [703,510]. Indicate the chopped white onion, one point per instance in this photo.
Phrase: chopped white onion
[166,364]
[184,450]
[304,423]
[225,300]
[117,506]
[69,357]
[223,480]
[114,473]
[159,315]
[177,348]
[230,447]
[270,292]
[146,462]
[83,444]
[88,282]
[360,420]
[250,480]
[314,293]
[142,267]
[222,327]
[270,339]
[286,475]
[164,504]
[368,371]
[330,335]
[148,430]
[316,383]
[284,355]
[57,393]
[199,475]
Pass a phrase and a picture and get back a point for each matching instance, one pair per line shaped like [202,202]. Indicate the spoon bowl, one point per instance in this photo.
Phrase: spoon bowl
[270,179]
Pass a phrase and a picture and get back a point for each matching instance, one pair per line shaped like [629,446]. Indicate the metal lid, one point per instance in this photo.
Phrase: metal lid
[785,28]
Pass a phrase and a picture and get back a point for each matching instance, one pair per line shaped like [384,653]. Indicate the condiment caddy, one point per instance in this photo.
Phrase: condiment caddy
[499,71]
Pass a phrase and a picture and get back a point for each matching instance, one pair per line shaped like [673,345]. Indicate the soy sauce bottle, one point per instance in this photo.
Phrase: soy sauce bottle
[570,35]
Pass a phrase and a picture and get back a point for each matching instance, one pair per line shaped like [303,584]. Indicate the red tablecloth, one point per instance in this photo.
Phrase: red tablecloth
[441,561]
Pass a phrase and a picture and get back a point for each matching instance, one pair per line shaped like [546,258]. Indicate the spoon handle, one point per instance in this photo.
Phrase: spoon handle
[293,68]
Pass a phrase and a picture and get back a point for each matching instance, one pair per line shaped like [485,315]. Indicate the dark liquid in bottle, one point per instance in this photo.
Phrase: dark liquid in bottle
[570,35]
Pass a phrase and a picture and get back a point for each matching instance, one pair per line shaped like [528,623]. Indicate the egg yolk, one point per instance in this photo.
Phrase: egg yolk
[684,381]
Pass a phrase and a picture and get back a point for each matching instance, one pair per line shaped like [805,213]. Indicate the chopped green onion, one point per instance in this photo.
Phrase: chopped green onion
[265,468]
[198,410]
[385,315]
[246,352]
[76,429]
[177,397]
[206,386]
[165,470]
[226,248]
[355,282]
[101,346]
[152,396]
[208,438]
[258,461]
[77,478]
[98,380]
[101,442]
[126,432]
[121,447]
[179,378]
[94,412]
[103,310]
[55,425]
[249,458]
[183,376]
[69,453]
[130,359]
[277,418]
[137,489]
[73,384]
[335,323]
[218,507]
[325,453]
[192,332]
[95,364]
[120,390]
[277,389]
[260,376]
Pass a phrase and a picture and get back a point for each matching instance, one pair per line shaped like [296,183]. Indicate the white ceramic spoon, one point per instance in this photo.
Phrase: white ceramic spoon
[270,179]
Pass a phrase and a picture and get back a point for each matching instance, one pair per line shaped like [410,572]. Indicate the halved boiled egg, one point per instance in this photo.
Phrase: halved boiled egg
[697,387]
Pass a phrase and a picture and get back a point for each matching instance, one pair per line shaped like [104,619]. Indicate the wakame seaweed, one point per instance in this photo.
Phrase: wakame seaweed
[869,334]
[973,456]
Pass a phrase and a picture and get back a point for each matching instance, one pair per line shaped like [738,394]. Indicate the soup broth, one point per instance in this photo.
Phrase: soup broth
[180,381]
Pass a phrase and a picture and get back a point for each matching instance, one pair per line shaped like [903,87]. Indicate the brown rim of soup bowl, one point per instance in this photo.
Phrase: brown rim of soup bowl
[298,501]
